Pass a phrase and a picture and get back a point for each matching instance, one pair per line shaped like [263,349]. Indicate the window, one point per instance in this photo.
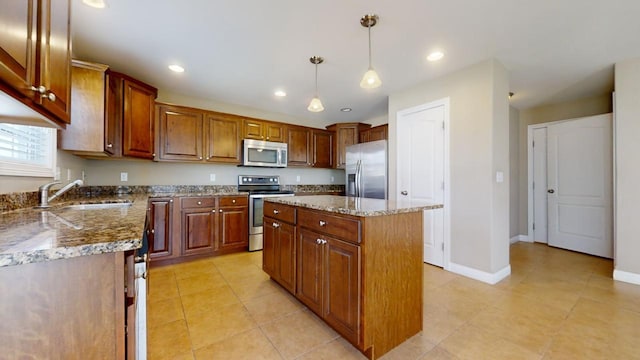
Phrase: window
[27,150]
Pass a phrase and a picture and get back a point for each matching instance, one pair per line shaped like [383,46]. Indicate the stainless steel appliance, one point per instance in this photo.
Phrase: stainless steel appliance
[366,170]
[264,153]
[259,188]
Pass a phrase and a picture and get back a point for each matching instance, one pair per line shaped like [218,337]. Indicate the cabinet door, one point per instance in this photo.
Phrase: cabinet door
[113,114]
[269,247]
[18,44]
[274,132]
[299,144]
[345,136]
[138,124]
[252,129]
[233,227]
[198,231]
[342,287]
[376,133]
[159,233]
[322,149]
[286,259]
[310,274]
[224,141]
[180,134]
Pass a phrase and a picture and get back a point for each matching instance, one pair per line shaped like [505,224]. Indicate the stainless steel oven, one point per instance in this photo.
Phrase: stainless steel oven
[259,188]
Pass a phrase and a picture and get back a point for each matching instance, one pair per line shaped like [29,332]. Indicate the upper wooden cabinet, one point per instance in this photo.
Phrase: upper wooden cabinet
[346,134]
[187,134]
[322,150]
[32,70]
[263,130]
[112,114]
[375,133]
[310,147]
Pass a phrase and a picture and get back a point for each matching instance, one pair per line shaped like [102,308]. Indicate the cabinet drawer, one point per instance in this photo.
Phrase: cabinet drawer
[280,212]
[344,228]
[233,200]
[198,202]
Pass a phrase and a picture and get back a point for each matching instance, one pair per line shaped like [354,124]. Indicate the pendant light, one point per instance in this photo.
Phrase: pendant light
[316,105]
[370,80]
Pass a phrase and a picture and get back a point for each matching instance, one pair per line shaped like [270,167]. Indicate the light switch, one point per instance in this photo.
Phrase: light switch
[499,176]
[124,176]
[297,178]
[212,177]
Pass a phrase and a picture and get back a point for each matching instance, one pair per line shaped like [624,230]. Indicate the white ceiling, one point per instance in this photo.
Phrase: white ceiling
[240,52]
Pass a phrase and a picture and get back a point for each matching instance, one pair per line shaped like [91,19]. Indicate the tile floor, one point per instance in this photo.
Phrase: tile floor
[556,304]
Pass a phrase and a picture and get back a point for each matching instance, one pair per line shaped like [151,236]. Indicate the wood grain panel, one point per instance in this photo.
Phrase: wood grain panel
[224,143]
[233,226]
[280,212]
[299,145]
[310,276]
[198,231]
[344,226]
[322,149]
[286,265]
[64,309]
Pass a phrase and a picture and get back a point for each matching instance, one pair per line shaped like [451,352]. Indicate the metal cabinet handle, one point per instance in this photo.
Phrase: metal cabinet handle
[275,225]
[109,146]
[199,202]
[50,96]
[153,231]
[321,241]
[276,211]
[200,157]
[219,210]
[404,192]
[551,191]
[323,223]
[233,201]
[41,89]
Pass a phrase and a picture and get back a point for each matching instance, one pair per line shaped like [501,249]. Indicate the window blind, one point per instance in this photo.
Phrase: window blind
[26,150]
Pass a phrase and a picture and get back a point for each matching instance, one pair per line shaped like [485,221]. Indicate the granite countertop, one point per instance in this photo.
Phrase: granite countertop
[354,206]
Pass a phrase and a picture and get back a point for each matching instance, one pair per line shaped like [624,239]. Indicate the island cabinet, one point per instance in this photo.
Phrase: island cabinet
[361,274]
[263,130]
[346,134]
[35,55]
[279,250]
[194,135]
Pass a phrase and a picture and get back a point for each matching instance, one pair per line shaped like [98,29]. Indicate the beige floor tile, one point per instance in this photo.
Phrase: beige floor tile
[272,306]
[434,276]
[233,273]
[471,342]
[164,311]
[208,300]
[193,268]
[210,327]
[298,333]
[162,288]
[439,324]
[558,294]
[250,344]
[200,282]
[623,295]
[252,288]
[413,348]
[438,353]
[169,341]
[335,349]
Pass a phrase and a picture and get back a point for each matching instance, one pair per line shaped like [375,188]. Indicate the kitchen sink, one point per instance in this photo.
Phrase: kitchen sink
[99,206]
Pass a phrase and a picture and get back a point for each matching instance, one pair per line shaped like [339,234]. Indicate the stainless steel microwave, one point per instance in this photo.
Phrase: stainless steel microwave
[264,153]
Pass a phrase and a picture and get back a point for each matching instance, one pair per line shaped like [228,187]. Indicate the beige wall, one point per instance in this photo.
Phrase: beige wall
[479,147]
[627,173]
[562,111]
[514,176]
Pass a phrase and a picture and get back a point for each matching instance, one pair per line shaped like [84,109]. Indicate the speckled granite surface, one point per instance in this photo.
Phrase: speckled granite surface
[354,206]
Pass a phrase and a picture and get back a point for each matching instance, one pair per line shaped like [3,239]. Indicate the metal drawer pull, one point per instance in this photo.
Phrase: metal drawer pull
[276,211]
[275,225]
[233,201]
[321,241]
[323,223]
[199,202]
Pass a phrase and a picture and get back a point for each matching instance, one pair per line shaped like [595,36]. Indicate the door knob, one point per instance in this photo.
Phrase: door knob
[551,191]
[404,192]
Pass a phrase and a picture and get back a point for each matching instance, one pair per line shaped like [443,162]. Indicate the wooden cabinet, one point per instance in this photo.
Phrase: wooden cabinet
[346,134]
[279,244]
[375,133]
[233,221]
[198,225]
[187,134]
[310,147]
[111,116]
[35,55]
[223,143]
[160,227]
[263,130]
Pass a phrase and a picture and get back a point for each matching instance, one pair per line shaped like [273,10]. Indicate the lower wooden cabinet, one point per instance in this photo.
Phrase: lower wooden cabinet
[279,252]
[233,223]
[198,231]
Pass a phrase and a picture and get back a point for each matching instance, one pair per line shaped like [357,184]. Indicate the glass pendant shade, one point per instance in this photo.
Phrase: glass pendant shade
[370,80]
[315,105]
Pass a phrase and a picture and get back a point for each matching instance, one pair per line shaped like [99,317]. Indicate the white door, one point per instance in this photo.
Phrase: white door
[421,171]
[579,182]
[540,185]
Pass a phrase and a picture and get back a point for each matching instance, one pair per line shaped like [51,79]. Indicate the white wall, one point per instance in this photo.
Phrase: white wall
[479,146]
[514,176]
[627,171]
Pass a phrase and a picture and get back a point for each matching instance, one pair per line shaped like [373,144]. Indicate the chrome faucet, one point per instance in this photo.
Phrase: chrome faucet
[44,192]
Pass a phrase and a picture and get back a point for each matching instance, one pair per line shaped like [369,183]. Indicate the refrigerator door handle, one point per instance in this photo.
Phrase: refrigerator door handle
[358,178]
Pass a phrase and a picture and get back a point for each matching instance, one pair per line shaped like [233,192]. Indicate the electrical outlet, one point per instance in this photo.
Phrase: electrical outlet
[124,176]
[212,177]
[297,178]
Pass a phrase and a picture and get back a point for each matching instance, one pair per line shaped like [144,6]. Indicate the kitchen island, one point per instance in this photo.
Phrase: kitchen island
[355,262]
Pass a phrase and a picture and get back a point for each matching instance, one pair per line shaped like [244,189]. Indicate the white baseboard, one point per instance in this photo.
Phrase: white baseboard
[486,277]
[627,277]
[517,238]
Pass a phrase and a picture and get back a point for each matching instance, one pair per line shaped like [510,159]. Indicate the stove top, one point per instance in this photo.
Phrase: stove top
[261,184]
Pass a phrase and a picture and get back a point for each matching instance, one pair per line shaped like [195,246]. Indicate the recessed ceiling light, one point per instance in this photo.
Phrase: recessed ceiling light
[346,109]
[98,4]
[435,56]
[176,68]
[280,93]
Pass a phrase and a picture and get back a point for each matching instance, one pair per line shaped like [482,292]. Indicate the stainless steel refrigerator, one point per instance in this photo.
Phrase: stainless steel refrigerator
[366,170]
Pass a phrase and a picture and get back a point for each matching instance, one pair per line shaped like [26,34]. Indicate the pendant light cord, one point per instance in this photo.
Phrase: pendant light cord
[316,80]
[369,27]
